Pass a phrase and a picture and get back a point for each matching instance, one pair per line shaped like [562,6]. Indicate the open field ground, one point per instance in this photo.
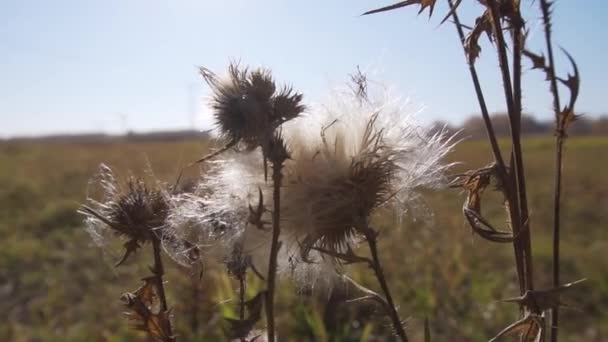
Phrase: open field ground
[56,285]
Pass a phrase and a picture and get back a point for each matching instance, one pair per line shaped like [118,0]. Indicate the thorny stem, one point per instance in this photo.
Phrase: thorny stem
[277,178]
[482,103]
[158,274]
[517,199]
[559,143]
[502,170]
[518,45]
[371,237]
[194,307]
[242,300]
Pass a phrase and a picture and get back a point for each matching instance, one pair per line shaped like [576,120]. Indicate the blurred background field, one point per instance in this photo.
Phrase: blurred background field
[56,285]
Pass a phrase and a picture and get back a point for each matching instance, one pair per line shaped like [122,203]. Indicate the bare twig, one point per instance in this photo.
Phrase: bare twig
[277,177]
[158,275]
[481,99]
[371,238]
[517,199]
[559,143]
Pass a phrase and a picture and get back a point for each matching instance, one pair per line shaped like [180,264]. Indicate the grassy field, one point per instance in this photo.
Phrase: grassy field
[55,285]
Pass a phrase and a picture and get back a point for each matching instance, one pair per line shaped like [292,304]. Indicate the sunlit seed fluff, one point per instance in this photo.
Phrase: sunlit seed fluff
[134,210]
[351,157]
[216,216]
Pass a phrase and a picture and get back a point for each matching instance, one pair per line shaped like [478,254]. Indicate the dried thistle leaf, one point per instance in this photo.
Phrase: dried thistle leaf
[485,229]
[348,257]
[538,62]
[423,4]
[238,328]
[530,329]
[144,311]
[483,24]
[451,12]
[572,82]
[547,10]
[475,182]
[542,300]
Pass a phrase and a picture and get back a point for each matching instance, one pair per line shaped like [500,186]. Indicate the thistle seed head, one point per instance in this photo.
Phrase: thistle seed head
[133,210]
[370,154]
[247,106]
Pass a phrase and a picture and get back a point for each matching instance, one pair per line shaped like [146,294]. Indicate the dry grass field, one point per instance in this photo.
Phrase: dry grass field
[56,285]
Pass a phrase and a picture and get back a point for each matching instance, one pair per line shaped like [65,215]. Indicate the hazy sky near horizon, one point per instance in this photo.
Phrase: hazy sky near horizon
[70,66]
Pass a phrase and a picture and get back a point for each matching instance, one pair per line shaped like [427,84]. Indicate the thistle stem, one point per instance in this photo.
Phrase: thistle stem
[559,143]
[158,273]
[371,237]
[242,300]
[517,200]
[277,178]
[556,231]
[518,45]
[195,307]
[482,102]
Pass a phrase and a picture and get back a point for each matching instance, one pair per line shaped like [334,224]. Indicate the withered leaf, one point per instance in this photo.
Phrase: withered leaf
[484,229]
[471,43]
[423,4]
[145,312]
[255,214]
[538,62]
[530,329]
[240,328]
[453,9]
[475,182]
[542,300]
[348,257]
[567,116]
[131,247]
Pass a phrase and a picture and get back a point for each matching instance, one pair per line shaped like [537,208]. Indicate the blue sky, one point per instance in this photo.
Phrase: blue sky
[111,65]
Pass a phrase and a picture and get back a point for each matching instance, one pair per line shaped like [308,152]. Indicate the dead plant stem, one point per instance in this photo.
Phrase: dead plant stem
[559,143]
[277,177]
[482,102]
[517,183]
[371,237]
[158,274]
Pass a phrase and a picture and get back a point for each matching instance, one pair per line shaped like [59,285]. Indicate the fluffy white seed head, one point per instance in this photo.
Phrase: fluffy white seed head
[352,156]
[216,215]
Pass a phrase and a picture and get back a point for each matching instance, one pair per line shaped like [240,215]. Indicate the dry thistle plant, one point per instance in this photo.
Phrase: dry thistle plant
[366,155]
[138,213]
[249,110]
[498,17]
[221,221]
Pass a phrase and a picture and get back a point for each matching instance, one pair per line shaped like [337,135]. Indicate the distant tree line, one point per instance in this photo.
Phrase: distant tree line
[474,127]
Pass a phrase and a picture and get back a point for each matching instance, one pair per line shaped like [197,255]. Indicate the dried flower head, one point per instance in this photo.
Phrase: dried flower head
[133,210]
[248,108]
[369,155]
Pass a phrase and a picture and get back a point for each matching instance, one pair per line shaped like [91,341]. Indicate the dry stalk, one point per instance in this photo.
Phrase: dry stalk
[518,200]
[371,237]
[159,272]
[274,249]
[481,99]
[277,155]
[559,143]
[500,16]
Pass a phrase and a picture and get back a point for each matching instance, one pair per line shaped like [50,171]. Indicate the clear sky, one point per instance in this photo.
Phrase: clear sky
[70,66]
